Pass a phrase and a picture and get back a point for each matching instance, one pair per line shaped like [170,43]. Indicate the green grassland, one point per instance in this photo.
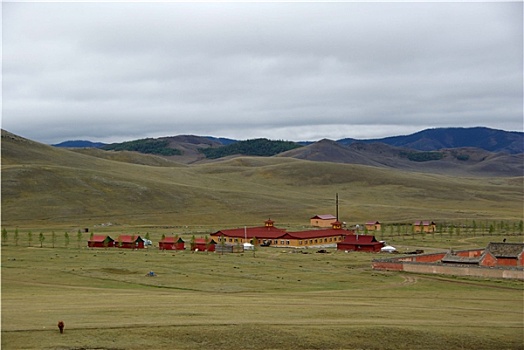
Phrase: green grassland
[268,299]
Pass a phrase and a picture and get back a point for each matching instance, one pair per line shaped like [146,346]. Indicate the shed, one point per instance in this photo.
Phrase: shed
[373,226]
[365,243]
[203,244]
[130,242]
[229,248]
[100,241]
[324,220]
[171,243]
[424,226]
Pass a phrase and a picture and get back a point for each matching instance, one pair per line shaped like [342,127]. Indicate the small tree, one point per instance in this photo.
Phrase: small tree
[521,226]
[29,238]
[16,236]
[78,238]
[4,236]
[66,239]
[41,238]
[53,238]
[192,242]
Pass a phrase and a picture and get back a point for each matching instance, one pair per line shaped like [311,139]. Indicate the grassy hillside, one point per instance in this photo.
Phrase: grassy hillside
[47,186]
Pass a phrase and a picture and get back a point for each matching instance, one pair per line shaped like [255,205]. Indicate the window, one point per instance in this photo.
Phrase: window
[287,242]
[299,242]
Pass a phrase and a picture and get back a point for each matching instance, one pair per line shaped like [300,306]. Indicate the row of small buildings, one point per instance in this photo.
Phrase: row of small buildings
[267,235]
[327,220]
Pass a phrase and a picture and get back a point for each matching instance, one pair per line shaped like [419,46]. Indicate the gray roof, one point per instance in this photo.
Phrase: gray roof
[505,250]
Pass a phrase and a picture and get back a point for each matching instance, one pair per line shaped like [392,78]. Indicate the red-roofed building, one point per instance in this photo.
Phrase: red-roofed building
[203,244]
[328,237]
[130,242]
[100,241]
[171,243]
[270,235]
[264,234]
[364,243]
[324,220]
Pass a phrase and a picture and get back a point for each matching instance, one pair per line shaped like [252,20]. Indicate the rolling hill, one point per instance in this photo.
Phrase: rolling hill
[454,151]
[48,186]
[456,161]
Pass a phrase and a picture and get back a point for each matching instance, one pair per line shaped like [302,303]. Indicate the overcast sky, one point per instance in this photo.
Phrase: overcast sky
[113,72]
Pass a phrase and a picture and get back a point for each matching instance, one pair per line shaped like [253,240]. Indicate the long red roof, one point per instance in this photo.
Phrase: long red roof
[262,232]
[129,238]
[329,232]
[99,238]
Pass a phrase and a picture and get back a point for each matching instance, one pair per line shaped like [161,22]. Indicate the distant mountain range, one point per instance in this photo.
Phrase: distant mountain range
[475,151]
[491,140]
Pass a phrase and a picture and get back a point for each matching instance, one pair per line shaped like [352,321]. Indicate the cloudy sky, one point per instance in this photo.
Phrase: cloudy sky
[294,71]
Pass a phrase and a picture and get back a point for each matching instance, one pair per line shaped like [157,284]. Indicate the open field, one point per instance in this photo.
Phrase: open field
[269,299]
[273,299]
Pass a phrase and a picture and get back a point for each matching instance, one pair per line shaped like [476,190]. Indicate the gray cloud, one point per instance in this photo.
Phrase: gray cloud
[296,71]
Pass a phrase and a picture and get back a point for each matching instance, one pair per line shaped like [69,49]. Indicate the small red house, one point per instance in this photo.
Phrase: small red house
[203,244]
[100,241]
[363,243]
[171,243]
[129,242]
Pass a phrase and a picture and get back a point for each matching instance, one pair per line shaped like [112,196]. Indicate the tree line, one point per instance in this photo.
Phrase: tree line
[255,147]
[148,145]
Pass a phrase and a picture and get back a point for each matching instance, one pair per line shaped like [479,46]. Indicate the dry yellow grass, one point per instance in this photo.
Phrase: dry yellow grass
[273,299]
[276,300]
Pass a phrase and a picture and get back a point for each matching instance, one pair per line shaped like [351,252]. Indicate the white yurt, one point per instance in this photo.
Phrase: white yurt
[388,249]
